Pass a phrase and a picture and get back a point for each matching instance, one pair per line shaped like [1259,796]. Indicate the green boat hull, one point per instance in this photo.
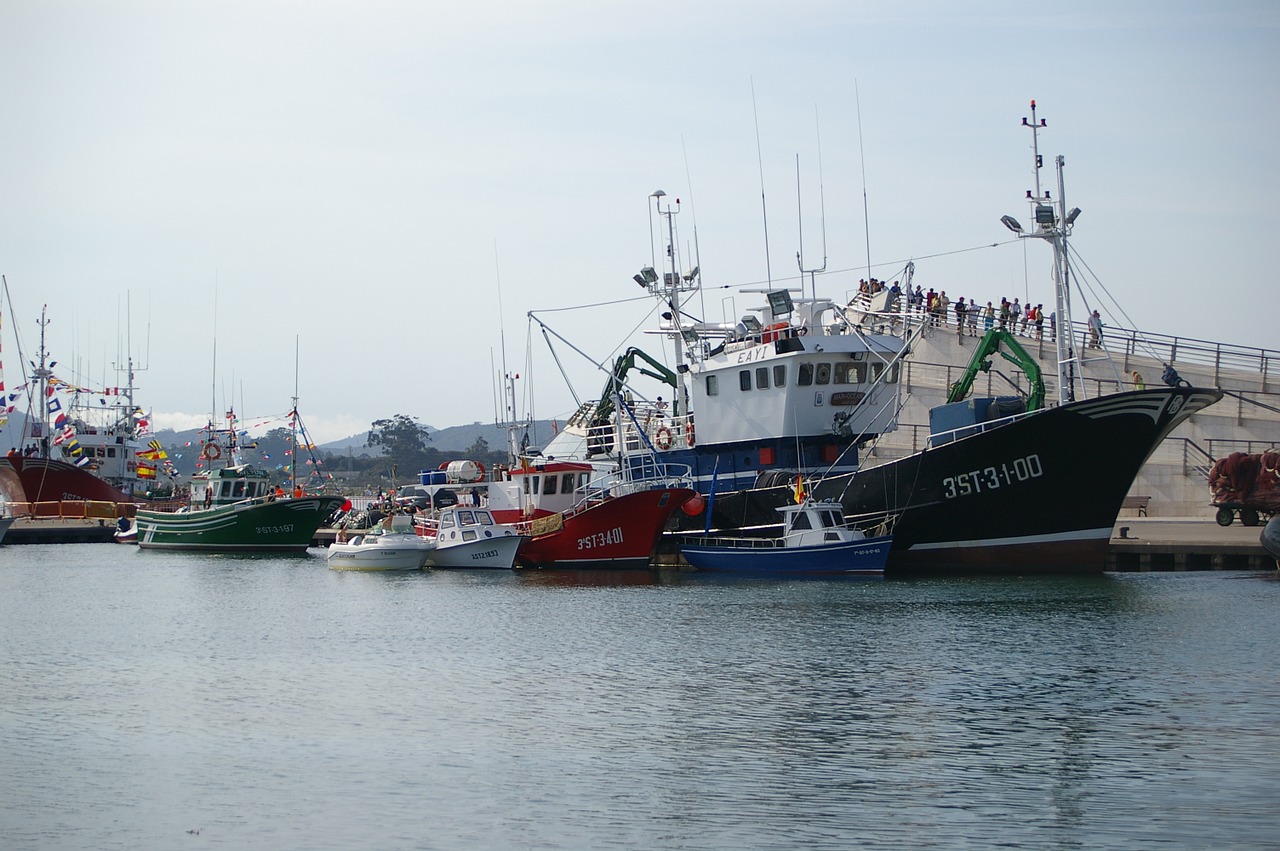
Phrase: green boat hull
[282,525]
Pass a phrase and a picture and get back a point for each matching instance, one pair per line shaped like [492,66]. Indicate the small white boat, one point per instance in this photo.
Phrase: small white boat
[466,536]
[395,546]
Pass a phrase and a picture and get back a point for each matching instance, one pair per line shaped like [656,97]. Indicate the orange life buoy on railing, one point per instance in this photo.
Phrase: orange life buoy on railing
[688,432]
[662,438]
[212,451]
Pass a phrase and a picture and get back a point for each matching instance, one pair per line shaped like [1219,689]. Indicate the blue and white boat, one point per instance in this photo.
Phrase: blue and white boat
[815,540]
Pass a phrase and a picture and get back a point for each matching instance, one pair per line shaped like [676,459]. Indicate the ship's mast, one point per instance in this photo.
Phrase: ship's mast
[41,375]
[669,289]
[1053,224]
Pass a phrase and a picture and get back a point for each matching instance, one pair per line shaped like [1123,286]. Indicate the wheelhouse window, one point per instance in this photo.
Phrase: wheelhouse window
[762,378]
[566,483]
[850,372]
[713,385]
[822,374]
[805,376]
[551,485]
[780,375]
[744,380]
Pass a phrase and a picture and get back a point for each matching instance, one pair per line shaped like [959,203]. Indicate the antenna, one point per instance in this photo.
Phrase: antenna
[764,209]
[866,216]
[822,206]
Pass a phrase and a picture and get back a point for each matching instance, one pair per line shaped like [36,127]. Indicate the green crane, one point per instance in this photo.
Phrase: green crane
[989,345]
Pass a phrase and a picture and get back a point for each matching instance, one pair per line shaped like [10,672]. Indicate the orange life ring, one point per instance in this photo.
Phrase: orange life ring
[662,438]
[212,451]
[688,432]
[480,467]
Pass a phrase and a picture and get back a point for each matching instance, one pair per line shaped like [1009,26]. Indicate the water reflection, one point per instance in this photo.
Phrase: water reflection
[275,703]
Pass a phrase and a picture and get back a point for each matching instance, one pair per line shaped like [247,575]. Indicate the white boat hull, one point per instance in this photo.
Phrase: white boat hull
[406,552]
[497,552]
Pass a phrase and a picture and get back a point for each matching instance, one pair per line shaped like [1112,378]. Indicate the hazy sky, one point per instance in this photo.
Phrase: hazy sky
[367,181]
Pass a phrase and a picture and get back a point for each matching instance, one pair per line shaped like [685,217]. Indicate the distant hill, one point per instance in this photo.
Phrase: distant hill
[452,439]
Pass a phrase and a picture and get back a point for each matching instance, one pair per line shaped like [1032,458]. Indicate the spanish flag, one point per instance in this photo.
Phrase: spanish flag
[799,488]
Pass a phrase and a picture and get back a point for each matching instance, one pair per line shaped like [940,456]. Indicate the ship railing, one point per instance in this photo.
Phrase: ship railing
[934,439]
[649,427]
[647,475]
[738,543]
[69,509]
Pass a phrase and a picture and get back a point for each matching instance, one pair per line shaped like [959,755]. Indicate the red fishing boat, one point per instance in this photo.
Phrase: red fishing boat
[578,516]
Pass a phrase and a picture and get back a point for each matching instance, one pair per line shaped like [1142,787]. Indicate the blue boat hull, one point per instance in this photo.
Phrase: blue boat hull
[866,557]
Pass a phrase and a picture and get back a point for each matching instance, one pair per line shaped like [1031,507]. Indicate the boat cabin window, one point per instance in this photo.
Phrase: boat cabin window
[226,490]
[877,368]
[830,519]
[111,452]
[537,484]
[805,378]
[851,372]
[744,380]
[713,385]
[551,485]
[484,518]
[780,375]
[762,377]
[466,518]
[446,522]
[237,492]
[822,374]
[801,521]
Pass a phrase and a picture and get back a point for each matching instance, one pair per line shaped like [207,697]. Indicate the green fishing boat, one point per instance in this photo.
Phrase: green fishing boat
[242,513]
[236,508]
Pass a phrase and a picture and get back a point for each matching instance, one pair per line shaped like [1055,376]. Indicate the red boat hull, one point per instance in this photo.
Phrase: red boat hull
[620,532]
[45,480]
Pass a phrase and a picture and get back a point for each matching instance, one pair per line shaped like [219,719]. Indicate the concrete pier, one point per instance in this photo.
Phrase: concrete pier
[1186,543]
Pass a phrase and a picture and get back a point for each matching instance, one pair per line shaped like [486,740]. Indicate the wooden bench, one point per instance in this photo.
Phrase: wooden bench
[1136,502]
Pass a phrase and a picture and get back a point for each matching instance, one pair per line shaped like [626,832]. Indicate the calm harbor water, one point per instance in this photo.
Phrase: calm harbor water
[272,703]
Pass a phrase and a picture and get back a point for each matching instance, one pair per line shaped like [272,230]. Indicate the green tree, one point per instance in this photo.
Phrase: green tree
[403,441]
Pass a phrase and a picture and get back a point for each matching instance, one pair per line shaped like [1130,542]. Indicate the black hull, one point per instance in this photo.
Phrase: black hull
[1036,495]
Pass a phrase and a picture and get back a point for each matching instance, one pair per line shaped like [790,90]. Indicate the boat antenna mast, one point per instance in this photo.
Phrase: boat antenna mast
[822,208]
[670,288]
[127,421]
[42,374]
[1053,223]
